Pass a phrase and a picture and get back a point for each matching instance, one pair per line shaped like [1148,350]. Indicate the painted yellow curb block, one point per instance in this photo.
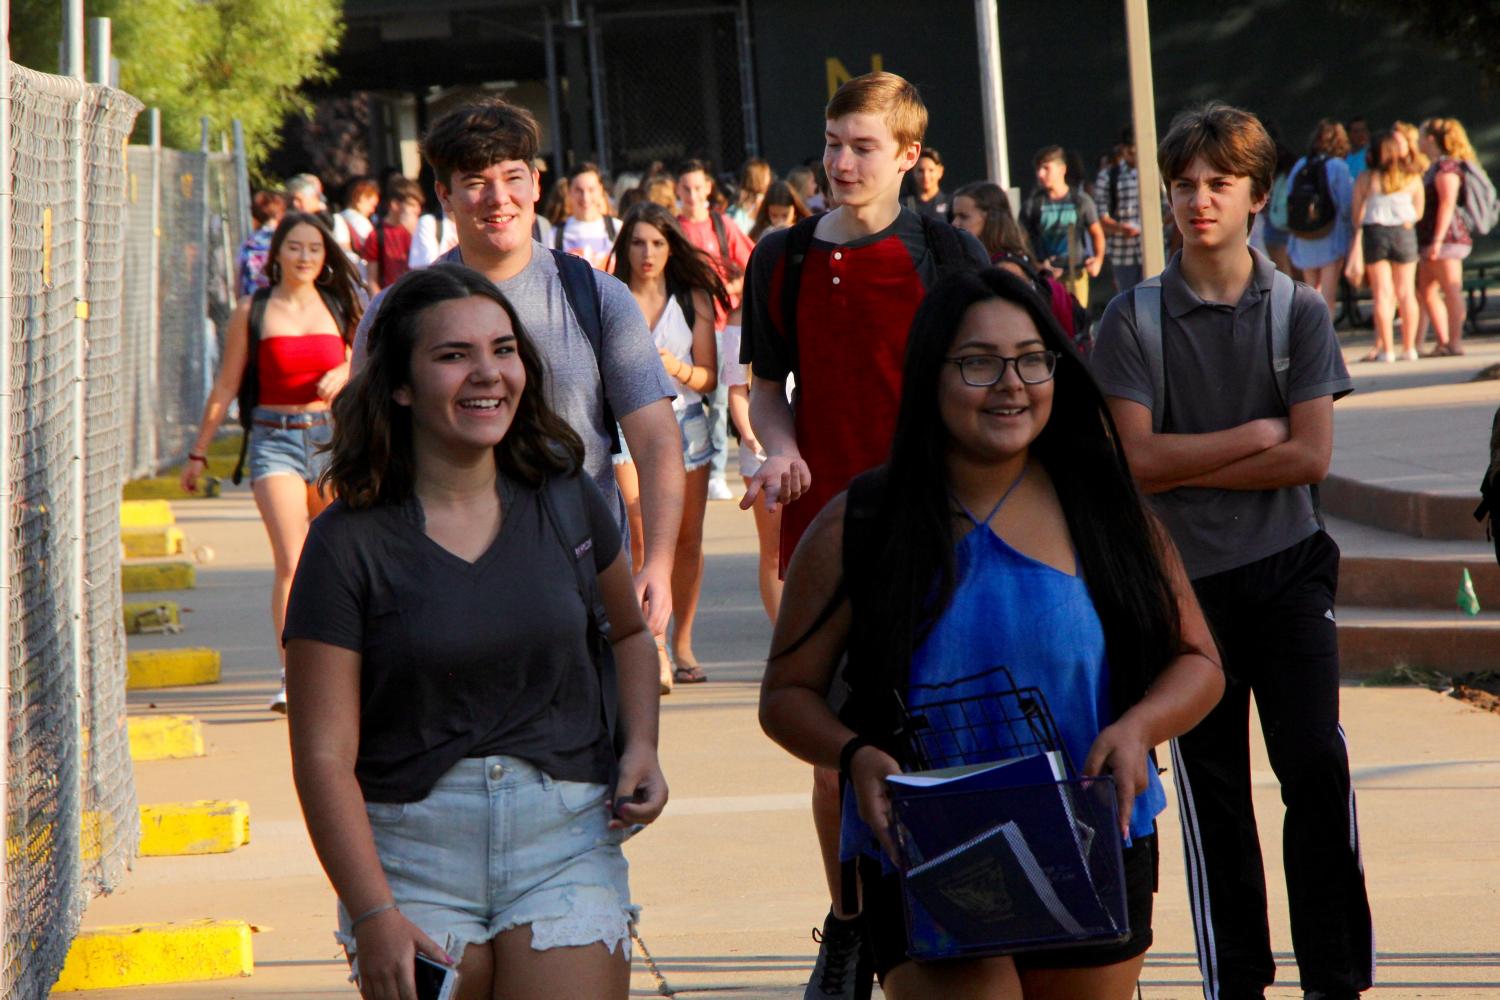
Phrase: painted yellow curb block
[144,577]
[173,829]
[142,543]
[142,954]
[146,514]
[148,616]
[159,668]
[165,737]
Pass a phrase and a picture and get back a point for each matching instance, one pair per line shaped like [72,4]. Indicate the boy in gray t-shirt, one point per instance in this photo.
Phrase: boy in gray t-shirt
[482,156]
[1229,451]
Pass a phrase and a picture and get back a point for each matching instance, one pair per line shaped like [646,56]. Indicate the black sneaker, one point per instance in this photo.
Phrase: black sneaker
[845,968]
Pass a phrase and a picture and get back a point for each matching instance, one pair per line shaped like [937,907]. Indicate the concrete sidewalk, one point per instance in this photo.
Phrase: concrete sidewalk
[729,877]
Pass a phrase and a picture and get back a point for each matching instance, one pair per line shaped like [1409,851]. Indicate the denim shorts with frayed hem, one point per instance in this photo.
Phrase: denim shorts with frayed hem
[292,447]
[498,844]
[697,441]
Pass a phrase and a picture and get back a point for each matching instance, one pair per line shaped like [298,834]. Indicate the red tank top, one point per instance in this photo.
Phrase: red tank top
[288,368]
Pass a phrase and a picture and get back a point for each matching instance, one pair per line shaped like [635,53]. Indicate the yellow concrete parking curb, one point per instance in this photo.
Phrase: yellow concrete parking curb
[159,668]
[152,616]
[144,577]
[142,954]
[146,514]
[142,543]
[165,737]
[173,829]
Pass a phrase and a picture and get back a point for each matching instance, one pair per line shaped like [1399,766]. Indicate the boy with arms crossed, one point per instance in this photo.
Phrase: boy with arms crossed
[1221,377]
[864,267]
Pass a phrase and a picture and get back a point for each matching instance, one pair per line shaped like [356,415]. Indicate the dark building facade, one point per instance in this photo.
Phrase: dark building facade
[628,83]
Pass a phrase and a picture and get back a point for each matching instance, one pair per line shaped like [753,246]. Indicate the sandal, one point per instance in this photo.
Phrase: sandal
[664,666]
[689,673]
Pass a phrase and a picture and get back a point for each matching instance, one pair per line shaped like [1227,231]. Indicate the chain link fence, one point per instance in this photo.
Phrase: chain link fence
[184,234]
[70,817]
[672,87]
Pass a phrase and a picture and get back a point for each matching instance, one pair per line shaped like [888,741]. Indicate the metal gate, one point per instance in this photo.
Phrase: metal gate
[673,84]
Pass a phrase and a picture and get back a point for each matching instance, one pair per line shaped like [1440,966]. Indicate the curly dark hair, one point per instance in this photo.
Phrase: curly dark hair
[373,456]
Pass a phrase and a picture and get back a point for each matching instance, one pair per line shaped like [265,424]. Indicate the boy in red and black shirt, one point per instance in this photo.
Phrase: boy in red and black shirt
[829,302]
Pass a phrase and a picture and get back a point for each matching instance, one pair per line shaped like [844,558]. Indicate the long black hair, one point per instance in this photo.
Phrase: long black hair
[373,455]
[688,268]
[1117,542]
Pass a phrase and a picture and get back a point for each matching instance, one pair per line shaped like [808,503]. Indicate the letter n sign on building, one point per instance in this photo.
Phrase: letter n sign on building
[804,52]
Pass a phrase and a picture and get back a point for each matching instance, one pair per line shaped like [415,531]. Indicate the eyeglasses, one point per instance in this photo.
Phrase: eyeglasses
[982,370]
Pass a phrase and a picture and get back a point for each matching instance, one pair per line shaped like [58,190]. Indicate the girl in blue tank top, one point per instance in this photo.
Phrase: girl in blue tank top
[1063,578]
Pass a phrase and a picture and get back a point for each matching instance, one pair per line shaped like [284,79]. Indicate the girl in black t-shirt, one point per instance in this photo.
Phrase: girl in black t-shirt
[448,681]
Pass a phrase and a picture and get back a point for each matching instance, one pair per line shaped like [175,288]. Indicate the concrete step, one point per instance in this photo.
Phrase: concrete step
[1383,569]
[1436,514]
[1373,640]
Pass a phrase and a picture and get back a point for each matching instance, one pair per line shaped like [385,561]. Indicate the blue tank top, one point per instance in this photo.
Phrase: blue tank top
[1011,610]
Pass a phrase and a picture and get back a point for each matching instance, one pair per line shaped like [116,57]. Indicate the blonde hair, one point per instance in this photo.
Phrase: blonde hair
[1394,172]
[1414,154]
[885,94]
[1450,137]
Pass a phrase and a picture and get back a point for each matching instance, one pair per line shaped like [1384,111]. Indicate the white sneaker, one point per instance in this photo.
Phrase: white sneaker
[718,489]
[1410,355]
[278,703]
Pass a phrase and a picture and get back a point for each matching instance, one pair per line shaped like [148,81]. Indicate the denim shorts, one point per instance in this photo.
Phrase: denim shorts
[499,844]
[291,448]
[697,440]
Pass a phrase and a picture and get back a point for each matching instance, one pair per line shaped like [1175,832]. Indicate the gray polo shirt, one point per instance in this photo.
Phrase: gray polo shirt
[633,375]
[1218,375]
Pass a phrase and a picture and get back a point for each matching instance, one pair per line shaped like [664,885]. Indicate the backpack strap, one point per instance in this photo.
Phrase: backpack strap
[557,236]
[249,394]
[1147,299]
[536,228]
[945,243]
[798,241]
[1283,291]
[567,512]
[1114,192]
[684,297]
[582,291]
[720,234]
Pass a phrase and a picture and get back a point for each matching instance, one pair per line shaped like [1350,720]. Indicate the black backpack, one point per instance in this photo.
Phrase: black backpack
[942,239]
[249,394]
[1310,209]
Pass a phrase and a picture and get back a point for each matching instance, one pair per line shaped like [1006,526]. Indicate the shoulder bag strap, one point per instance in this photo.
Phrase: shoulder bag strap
[1147,299]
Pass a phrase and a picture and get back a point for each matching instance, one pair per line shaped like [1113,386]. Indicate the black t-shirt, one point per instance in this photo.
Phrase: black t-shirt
[459,659]
[938,207]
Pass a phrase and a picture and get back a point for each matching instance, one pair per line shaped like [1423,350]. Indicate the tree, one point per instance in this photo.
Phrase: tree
[224,59]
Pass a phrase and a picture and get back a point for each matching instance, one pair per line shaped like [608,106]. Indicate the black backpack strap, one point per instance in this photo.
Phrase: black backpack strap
[536,228]
[566,509]
[1114,192]
[945,243]
[798,241]
[557,236]
[720,234]
[609,226]
[582,291]
[249,394]
[684,297]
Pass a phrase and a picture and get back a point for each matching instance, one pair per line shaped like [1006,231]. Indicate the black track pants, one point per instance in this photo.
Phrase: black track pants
[1274,623]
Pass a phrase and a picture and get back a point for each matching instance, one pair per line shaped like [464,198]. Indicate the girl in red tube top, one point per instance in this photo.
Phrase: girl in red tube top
[301,328]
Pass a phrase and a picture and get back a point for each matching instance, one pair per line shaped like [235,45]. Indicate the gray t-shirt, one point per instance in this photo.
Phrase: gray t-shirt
[633,374]
[1218,375]
[460,659]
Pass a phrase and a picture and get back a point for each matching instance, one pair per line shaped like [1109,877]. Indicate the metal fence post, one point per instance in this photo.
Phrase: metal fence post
[992,91]
[7,202]
[747,81]
[1143,117]
[153,302]
[242,181]
[597,92]
[78,379]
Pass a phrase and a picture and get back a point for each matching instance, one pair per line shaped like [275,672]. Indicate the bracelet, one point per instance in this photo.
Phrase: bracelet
[846,755]
[353,924]
[197,458]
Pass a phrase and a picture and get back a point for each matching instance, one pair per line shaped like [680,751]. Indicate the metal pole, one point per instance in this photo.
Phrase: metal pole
[7,203]
[992,91]
[99,50]
[242,183]
[554,98]
[153,299]
[1143,115]
[748,109]
[77,468]
[70,61]
[596,90]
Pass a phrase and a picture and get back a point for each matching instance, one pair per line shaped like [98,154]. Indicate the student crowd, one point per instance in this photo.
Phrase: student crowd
[523,426]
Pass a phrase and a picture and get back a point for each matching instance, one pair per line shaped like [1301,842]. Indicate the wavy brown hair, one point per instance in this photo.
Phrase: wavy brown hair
[338,278]
[373,456]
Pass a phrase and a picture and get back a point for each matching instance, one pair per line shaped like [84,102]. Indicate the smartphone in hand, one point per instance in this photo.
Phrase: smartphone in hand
[435,981]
